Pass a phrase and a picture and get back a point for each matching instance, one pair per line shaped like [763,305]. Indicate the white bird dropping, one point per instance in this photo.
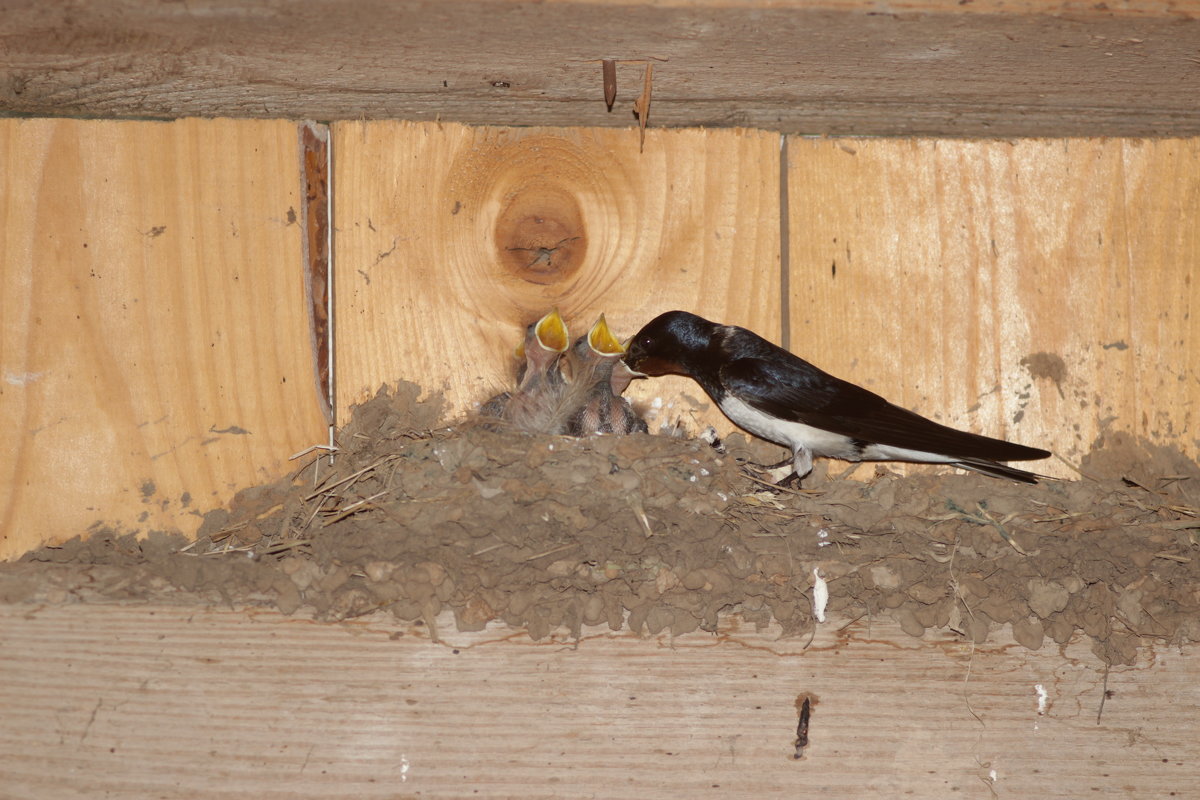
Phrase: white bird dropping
[820,595]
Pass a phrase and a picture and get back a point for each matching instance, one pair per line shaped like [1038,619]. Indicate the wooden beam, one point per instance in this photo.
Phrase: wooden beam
[924,67]
[451,239]
[168,701]
[1036,290]
[153,330]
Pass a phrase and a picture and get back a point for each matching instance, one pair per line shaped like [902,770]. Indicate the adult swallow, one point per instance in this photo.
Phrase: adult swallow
[535,406]
[590,367]
[782,398]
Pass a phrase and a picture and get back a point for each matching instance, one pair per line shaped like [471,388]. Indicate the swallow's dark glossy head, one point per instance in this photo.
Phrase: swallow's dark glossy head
[670,343]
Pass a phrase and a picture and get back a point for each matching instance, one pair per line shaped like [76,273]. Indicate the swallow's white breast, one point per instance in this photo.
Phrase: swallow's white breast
[797,435]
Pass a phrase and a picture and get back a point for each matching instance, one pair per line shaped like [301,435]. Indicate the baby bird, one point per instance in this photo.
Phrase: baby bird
[596,376]
[536,404]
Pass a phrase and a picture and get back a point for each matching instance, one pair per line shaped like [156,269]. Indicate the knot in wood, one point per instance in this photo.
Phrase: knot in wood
[540,234]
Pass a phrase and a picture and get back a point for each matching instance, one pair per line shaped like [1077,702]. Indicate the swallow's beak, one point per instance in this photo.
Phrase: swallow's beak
[633,360]
[629,360]
[551,332]
[602,341]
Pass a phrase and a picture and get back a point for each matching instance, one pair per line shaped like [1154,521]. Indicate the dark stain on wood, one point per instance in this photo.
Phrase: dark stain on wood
[314,156]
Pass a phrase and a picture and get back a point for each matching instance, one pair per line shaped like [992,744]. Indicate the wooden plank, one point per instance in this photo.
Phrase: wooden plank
[440,230]
[1038,290]
[920,67]
[153,334]
[180,701]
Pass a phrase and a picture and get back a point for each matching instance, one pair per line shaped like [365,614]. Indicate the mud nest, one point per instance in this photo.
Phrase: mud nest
[657,533]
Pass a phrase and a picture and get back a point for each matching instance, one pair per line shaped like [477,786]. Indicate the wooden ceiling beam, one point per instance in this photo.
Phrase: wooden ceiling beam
[934,68]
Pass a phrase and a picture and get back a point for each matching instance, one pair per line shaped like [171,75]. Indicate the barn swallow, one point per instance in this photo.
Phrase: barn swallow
[590,367]
[780,397]
[536,404]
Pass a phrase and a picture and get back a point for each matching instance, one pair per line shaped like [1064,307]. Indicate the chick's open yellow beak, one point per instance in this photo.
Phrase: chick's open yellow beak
[602,340]
[551,332]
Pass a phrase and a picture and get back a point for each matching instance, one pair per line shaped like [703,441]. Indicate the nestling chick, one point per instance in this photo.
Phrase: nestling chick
[536,405]
[596,376]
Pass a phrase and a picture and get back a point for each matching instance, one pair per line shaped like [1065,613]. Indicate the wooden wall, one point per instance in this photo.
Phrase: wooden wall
[451,239]
[1037,289]
[154,355]
[156,350]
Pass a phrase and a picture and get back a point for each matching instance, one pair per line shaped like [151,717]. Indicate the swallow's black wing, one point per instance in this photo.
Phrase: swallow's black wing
[787,387]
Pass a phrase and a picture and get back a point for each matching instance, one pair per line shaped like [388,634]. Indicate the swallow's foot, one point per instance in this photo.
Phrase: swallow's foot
[775,473]
[783,475]
[790,481]
[780,475]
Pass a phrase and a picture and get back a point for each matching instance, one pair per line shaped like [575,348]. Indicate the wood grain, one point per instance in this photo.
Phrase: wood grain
[451,239]
[848,67]
[1035,290]
[177,701]
[154,345]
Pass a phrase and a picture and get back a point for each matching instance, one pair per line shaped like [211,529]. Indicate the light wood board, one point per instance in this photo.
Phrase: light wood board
[153,335]
[847,67]
[438,231]
[1034,290]
[133,701]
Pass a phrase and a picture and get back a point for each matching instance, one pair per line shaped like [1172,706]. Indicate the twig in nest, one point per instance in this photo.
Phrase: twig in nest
[960,597]
[1004,534]
[985,518]
[639,511]
[788,489]
[279,547]
[1173,479]
[1060,517]
[315,463]
[1165,479]
[327,448]
[316,510]
[229,548]
[352,476]
[551,552]
[353,507]
[1078,471]
[225,533]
